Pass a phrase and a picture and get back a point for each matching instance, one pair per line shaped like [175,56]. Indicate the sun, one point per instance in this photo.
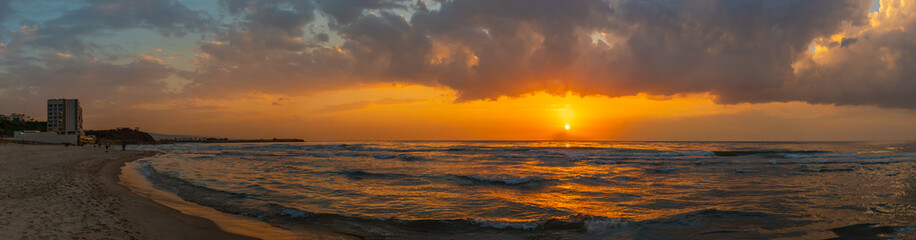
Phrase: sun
[567,126]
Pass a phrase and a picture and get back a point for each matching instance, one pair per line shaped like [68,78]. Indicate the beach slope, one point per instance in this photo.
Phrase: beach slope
[57,192]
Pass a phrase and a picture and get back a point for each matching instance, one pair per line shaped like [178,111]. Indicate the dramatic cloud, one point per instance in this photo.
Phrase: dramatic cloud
[95,82]
[739,51]
[872,64]
[66,33]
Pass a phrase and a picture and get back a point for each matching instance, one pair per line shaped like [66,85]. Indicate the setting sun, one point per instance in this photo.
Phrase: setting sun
[428,119]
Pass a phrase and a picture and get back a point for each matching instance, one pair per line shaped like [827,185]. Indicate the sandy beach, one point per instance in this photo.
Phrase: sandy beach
[57,192]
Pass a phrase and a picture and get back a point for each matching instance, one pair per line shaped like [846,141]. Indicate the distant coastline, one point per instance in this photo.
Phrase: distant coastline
[226,140]
[135,136]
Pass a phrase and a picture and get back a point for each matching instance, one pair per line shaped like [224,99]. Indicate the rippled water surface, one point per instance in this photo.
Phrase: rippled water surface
[555,190]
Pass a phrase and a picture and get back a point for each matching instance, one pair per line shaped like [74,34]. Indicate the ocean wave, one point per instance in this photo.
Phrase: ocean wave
[835,162]
[224,201]
[578,222]
[880,162]
[800,156]
[581,222]
[286,211]
[383,156]
[409,158]
[661,170]
[523,225]
[251,154]
[604,162]
[889,156]
[348,154]
[572,155]
[360,174]
[763,152]
[519,155]
[828,170]
[505,180]
[402,157]
[655,154]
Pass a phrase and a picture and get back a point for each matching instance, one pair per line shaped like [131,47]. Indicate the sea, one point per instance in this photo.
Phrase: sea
[553,189]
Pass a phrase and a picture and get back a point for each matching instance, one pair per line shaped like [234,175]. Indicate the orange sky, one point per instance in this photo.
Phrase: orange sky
[412,112]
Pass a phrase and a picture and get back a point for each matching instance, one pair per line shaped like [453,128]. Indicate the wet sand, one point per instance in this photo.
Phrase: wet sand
[56,192]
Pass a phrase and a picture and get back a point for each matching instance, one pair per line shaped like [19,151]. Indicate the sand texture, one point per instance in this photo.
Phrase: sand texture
[56,192]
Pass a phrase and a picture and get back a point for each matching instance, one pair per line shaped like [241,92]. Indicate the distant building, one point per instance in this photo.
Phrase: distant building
[19,117]
[65,116]
[15,117]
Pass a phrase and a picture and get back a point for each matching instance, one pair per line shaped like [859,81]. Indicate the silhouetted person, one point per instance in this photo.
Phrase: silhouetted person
[106,147]
[123,146]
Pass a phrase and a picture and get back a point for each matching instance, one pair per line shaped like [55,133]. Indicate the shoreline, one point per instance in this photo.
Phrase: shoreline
[133,179]
[160,221]
[56,192]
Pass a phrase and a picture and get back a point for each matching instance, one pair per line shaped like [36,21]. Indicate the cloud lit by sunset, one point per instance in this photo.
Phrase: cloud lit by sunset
[486,70]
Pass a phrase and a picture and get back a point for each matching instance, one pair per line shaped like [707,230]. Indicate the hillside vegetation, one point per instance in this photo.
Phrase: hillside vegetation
[122,135]
[7,127]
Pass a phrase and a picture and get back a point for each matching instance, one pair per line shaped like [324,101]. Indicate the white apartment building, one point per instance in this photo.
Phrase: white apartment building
[65,116]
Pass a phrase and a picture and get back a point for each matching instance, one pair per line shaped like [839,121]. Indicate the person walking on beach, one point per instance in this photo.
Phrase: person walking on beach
[123,146]
[106,147]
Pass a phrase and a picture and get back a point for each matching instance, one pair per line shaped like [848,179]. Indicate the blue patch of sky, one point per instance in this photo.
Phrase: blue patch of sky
[119,46]
[875,7]
[35,12]
[319,26]
[131,42]
[434,5]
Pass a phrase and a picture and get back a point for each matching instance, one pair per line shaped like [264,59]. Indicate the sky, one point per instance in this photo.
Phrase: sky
[747,70]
